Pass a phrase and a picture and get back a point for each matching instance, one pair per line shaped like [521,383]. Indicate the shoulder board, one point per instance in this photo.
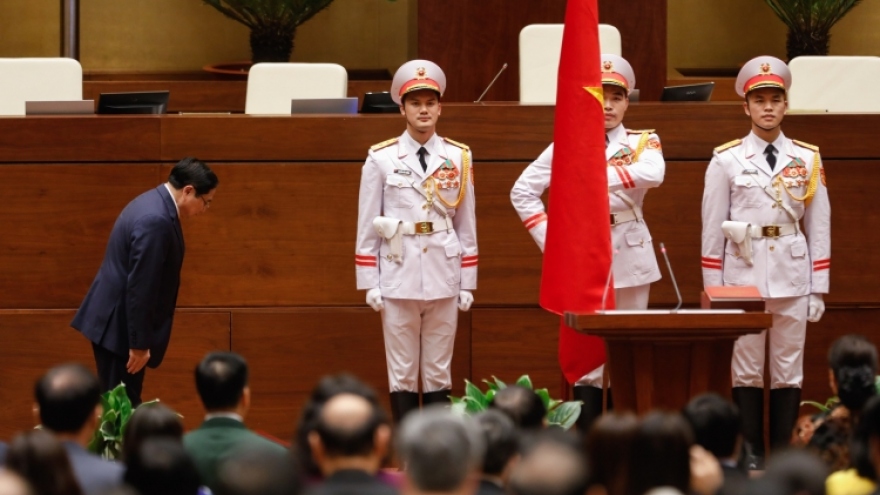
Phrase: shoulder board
[456,143]
[726,146]
[640,131]
[806,145]
[383,144]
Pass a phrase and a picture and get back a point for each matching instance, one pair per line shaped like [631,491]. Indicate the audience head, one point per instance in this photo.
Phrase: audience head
[222,382]
[716,424]
[350,428]
[442,451]
[609,446]
[68,399]
[853,363]
[500,437]
[522,405]
[328,387]
[866,441]
[256,471]
[661,453]
[150,421]
[798,471]
[552,464]
[831,442]
[42,461]
[13,484]
[161,466]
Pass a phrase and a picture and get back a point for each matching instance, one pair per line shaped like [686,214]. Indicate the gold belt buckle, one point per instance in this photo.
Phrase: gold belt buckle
[424,227]
[770,231]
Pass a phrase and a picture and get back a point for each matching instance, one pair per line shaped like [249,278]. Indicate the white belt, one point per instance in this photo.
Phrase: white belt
[425,228]
[623,217]
[758,232]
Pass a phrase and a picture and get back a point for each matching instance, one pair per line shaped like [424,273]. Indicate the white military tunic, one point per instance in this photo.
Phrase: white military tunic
[635,264]
[421,288]
[741,187]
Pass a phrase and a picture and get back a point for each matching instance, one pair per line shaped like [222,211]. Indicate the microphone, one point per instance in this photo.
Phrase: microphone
[671,275]
[503,68]
[608,280]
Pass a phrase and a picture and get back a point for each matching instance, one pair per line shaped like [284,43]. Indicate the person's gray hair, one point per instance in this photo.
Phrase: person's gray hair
[439,449]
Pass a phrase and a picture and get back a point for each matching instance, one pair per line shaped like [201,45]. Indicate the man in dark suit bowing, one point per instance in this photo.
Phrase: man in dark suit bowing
[128,311]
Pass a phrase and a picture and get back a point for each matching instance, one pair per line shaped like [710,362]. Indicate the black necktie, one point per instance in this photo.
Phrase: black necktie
[771,158]
[607,140]
[422,152]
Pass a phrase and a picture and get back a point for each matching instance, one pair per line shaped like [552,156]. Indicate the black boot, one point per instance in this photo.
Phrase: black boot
[609,402]
[784,406]
[750,401]
[402,403]
[591,408]
[436,397]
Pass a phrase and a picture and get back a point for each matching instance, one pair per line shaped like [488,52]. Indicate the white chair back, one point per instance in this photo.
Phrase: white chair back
[540,47]
[38,79]
[271,86]
[834,84]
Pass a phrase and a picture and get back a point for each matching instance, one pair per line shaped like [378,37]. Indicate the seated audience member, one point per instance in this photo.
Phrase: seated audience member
[500,436]
[609,446]
[522,405]
[69,406]
[798,472]
[716,425]
[40,459]
[258,471]
[161,466]
[13,484]
[349,442]
[327,387]
[150,421]
[552,463]
[441,452]
[865,455]
[852,362]
[222,384]
[663,453]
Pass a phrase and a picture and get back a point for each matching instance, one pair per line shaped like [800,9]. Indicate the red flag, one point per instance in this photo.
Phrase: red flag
[577,254]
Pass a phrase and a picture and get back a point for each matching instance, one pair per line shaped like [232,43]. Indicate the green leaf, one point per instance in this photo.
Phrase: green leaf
[490,394]
[459,408]
[554,404]
[565,415]
[473,406]
[544,394]
[490,385]
[473,392]
[499,383]
[877,384]
[821,407]
[455,400]
[525,381]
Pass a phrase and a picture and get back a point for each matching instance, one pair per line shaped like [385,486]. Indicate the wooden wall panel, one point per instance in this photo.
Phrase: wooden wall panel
[56,220]
[34,341]
[642,26]
[289,351]
[458,36]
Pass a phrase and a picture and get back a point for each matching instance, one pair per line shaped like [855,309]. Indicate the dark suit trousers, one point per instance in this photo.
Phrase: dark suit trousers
[111,371]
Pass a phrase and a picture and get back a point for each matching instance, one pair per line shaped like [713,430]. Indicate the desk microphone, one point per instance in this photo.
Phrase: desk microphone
[503,68]
[608,279]
[671,275]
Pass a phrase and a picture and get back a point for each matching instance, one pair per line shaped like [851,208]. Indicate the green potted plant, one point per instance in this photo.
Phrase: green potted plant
[809,23]
[272,23]
[559,414]
[107,440]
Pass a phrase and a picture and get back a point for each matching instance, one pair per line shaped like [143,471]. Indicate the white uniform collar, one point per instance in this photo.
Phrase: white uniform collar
[173,199]
[617,135]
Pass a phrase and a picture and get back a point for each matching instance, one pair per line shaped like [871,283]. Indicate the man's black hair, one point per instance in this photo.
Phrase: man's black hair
[220,380]
[67,396]
[193,172]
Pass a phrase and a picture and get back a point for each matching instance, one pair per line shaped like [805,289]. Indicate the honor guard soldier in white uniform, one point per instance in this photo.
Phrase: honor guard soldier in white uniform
[416,253]
[635,164]
[767,223]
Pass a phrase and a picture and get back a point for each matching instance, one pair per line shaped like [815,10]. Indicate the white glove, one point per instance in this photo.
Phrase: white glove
[817,308]
[374,299]
[465,299]
[539,234]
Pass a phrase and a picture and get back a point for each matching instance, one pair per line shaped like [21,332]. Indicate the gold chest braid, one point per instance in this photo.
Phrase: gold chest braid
[465,175]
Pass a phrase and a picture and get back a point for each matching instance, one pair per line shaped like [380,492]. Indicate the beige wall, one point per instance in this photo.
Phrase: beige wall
[172,35]
[727,33]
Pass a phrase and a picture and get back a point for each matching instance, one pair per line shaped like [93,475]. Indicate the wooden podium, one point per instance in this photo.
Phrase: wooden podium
[662,359]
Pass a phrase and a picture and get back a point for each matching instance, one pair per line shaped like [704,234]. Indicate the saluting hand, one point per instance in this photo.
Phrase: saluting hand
[137,359]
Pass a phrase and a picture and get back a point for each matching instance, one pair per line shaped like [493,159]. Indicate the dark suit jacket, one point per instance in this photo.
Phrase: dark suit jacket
[2,453]
[489,488]
[95,475]
[216,439]
[352,482]
[131,302]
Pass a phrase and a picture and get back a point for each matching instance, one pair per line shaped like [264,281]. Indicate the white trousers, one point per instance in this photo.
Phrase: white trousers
[419,336]
[624,298]
[787,337]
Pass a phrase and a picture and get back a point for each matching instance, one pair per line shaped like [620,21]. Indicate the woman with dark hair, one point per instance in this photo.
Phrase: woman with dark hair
[609,446]
[161,466]
[660,454]
[42,461]
[150,421]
